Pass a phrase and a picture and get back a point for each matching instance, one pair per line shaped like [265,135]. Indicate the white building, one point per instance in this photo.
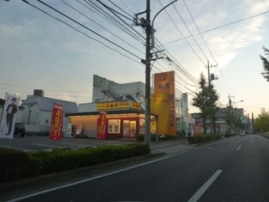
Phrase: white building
[37,113]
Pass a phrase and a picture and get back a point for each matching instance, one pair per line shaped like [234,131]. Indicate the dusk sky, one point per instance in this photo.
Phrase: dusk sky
[39,52]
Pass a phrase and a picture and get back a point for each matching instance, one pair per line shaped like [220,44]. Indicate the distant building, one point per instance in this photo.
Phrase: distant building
[220,118]
[39,93]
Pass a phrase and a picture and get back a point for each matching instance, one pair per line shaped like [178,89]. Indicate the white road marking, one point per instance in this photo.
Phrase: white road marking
[17,148]
[238,147]
[86,180]
[211,143]
[46,145]
[245,139]
[202,190]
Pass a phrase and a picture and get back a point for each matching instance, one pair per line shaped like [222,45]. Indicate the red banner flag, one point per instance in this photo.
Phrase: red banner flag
[101,125]
[56,122]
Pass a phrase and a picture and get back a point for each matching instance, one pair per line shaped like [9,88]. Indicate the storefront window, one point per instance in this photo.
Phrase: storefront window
[142,126]
[113,126]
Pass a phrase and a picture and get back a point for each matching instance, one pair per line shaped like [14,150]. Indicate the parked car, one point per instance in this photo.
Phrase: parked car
[19,129]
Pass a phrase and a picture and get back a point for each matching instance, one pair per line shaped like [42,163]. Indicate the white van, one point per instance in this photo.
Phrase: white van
[242,133]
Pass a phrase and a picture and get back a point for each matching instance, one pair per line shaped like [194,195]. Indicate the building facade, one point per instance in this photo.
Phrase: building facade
[169,114]
[38,110]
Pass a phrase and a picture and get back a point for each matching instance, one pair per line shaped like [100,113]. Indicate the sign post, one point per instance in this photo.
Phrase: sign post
[9,116]
[56,126]
[101,125]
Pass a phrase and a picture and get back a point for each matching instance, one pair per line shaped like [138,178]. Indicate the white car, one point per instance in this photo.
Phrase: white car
[242,133]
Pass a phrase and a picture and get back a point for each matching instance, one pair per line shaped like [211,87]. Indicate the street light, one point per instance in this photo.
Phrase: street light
[152,30]
[238,101]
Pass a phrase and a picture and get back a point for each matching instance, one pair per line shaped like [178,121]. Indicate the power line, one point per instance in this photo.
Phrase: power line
[209,30]
[189,32]
[100,26]
[200,32]
[182,34]
[121,9]
[80,31]
[111,10]
[100,12]
[85,27]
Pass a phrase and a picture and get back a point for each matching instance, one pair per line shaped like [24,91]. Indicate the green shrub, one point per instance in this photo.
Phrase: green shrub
[15,165]
[18,165]
[141,137]
[202,138]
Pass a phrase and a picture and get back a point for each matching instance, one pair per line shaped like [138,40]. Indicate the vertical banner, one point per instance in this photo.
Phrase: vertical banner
[9,116]
[101,125]
[56,126]
[197,129]
[164,83]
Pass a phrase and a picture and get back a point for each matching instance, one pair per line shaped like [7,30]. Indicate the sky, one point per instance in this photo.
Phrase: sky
[40,52]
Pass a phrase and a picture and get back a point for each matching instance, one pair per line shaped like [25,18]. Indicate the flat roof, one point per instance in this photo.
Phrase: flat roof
[124,111]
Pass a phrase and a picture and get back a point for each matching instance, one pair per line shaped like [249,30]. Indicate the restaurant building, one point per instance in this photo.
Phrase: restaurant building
[124,107]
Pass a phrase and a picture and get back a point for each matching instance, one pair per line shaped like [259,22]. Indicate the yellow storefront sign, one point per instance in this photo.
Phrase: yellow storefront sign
[163,102]
[112,105]
[135,105]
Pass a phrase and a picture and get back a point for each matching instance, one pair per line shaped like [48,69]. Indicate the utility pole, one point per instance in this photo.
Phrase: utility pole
[253,128]
[230,118]
[147,89]
[146,23]
[210,98]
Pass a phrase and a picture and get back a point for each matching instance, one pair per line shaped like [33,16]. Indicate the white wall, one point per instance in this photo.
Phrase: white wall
[137,89]
[31,114]
[1,111]
[87,107]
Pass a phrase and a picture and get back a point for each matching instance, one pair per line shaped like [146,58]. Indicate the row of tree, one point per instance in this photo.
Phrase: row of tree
[262,122]
[207,101]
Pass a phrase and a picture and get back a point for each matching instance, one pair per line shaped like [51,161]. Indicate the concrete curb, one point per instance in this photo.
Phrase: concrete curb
[26,186]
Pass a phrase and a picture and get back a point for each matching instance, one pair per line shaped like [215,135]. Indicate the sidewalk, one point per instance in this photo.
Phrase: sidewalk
[165,146]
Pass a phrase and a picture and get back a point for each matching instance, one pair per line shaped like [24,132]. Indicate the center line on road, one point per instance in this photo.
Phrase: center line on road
[202,190]
[246,139]
[238,147]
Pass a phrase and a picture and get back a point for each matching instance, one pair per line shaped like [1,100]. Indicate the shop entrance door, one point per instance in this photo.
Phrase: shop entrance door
[126,128]
[132,128]
[129,128]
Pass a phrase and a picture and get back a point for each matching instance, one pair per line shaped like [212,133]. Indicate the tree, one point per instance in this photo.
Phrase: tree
[262,122]
[206,100]
[265,65]
[230,117]
[213,106]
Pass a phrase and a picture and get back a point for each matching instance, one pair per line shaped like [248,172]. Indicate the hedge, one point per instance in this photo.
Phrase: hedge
[18,165]
[141,137]
[202,138]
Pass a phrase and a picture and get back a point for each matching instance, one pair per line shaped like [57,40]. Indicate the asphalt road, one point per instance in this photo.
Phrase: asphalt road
[234,169]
